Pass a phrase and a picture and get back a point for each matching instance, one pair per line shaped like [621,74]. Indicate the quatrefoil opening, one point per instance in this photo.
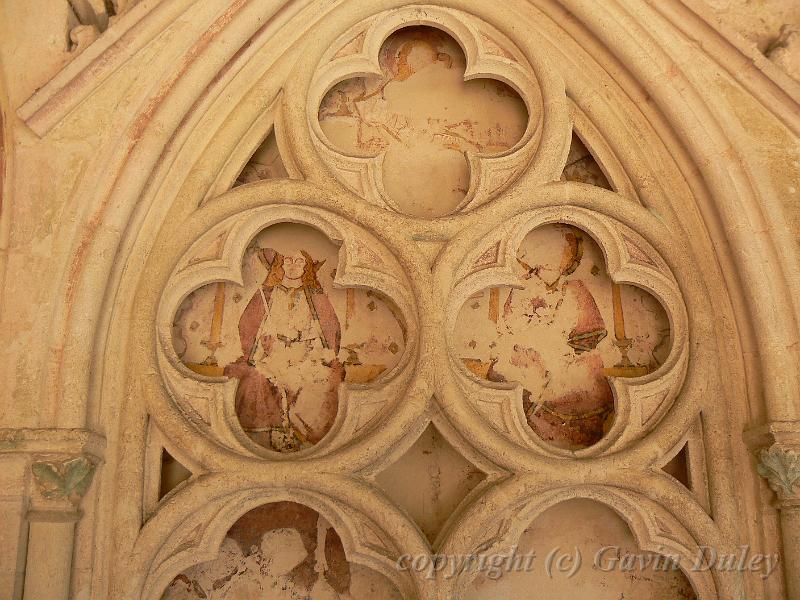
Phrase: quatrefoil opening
[288,336]
[562,335]
[423,121]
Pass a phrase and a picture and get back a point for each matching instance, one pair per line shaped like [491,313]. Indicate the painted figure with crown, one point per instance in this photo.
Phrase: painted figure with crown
[289,372]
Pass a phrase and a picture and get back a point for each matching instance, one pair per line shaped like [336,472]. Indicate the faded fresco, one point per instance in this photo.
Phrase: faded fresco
[563,335]
[587,528]
[424,115]
[285,551]
[289,336]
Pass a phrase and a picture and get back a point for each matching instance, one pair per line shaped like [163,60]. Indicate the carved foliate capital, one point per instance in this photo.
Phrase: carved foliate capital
[64,479]
[781,468]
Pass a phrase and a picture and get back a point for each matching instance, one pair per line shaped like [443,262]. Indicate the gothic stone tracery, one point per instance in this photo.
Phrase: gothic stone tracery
[332,285]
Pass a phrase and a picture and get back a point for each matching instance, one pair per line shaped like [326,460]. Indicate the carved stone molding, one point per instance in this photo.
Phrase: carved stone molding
[64,479]
[781,468]
[52,441]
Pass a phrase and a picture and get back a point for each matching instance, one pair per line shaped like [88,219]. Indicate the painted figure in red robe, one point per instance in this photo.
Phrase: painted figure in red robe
[289,372]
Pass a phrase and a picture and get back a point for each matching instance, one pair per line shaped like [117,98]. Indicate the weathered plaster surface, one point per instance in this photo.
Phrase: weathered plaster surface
[281,550]
[604,539]
[772,26]
[424,117]
[562,334]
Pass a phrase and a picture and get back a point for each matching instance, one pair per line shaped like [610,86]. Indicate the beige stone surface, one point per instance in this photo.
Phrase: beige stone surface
[288,286]
[772,26]
[616,566]
[759,21]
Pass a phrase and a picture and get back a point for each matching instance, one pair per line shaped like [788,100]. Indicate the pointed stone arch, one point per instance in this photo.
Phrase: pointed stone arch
[218,89]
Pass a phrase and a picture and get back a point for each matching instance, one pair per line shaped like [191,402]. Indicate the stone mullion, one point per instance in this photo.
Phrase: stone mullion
[13,532]
[51,537]
[780,466]
[61,483]
[790,530]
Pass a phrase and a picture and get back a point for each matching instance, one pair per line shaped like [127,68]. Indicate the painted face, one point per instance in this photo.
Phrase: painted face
[549,274]
[555,254]
[293,266]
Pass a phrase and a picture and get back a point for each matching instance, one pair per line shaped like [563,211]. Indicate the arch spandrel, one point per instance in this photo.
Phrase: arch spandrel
[159,185]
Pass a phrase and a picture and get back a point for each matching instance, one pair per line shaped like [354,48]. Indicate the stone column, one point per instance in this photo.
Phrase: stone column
[60,484]
[781,468]
[13,523]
